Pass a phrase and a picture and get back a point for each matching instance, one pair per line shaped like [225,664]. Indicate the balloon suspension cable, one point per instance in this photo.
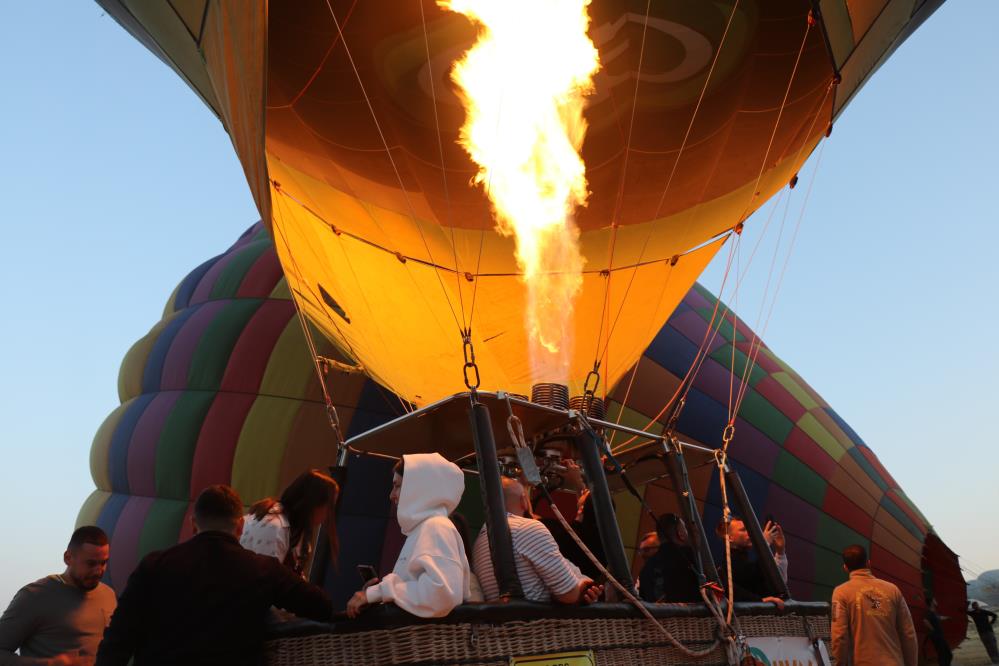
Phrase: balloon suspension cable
[666,188]
[392,162]
[721,458]
[533,477]
[709,336]
[320,365]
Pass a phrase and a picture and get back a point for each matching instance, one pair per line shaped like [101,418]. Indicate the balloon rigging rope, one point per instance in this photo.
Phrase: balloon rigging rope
[612,244]
[709,335]
[669,180]
[440,150]
[303,321]
[699,358]
[634,601]
[755,351]
[757,341]
[395,168]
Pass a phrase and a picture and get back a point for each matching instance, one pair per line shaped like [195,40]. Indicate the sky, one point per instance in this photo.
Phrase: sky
[117,181]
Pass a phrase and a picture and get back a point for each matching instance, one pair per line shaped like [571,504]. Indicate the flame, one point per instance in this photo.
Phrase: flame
[524,85]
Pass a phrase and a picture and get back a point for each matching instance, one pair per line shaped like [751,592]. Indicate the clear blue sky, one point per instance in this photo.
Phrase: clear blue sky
[116,181]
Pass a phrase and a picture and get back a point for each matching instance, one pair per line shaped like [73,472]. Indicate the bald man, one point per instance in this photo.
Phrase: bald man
[544,574]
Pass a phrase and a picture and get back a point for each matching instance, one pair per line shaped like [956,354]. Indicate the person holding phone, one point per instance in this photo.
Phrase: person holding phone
[431,575]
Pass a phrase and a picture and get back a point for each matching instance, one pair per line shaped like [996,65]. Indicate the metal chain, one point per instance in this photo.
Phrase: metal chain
[471,381]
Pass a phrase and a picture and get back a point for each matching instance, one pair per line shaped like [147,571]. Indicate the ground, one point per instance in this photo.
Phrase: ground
[971,652]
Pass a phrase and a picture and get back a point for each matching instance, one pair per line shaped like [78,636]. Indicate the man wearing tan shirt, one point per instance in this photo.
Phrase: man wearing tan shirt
[871,624]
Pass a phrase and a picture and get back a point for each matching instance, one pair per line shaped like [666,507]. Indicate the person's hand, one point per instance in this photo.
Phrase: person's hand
[357,604]
[68,659]
[773,534]
[572,479]
[776,601]
[591,593]
[371,581]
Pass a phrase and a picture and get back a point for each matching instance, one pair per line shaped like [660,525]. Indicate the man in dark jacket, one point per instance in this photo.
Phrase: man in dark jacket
[205,601]
[670,575]
[750,581]
[983,623]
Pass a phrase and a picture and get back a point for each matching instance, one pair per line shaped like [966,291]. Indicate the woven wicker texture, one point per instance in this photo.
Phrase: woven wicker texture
[613,641]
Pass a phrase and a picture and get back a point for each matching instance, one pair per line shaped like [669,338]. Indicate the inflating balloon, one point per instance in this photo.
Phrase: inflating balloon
[221,390]
[347,123]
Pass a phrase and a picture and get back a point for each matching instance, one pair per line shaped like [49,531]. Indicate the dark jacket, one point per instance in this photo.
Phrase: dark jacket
[204,601]
[669,576]
[749,580]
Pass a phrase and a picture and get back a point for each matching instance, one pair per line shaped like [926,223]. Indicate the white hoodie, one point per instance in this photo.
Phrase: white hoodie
[432,575]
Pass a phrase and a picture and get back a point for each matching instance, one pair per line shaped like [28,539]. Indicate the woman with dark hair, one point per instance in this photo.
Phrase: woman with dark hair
[286,528]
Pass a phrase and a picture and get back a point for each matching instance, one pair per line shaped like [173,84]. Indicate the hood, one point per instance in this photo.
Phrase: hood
[431,486]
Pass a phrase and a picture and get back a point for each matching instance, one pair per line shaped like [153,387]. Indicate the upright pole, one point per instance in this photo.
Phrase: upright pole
[763,554]
[589,446]
[497,527]
[677,467]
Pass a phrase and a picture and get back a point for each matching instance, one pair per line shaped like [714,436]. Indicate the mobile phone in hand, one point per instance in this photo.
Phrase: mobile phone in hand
[366,572]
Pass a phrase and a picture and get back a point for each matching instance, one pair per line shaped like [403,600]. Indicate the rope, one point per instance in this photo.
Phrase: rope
[331,413]
[440,151]
[612,245]
[757,339]
[388,153]
[709,335]
[669,180]
[632,599]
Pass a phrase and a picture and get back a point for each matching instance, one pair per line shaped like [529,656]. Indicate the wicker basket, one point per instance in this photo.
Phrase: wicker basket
[614,641]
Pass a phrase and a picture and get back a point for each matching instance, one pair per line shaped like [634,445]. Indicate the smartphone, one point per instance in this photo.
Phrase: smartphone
[366,572]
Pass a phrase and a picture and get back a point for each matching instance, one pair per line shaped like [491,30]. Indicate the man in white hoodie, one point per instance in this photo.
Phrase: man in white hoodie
[432,575]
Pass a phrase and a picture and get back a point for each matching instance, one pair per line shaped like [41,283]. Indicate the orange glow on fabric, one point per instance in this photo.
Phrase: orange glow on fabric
[524,85]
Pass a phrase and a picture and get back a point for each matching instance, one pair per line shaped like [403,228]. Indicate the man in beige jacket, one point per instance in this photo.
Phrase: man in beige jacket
[871,623]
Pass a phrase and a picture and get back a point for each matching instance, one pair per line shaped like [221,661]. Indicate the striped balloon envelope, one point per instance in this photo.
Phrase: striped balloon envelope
[800,463]
[222,390]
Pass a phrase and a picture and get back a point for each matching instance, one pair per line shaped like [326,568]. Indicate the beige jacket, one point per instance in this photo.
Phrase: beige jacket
[871,623]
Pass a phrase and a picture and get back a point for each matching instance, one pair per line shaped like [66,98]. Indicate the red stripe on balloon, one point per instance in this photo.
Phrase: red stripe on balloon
[141,459]
[125,543]
[262,277]
[217,440]
[178,359]
[252,350]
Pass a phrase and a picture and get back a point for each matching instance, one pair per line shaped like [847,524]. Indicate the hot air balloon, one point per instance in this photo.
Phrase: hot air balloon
[414,224]
[222,391]
[800,462]
[347,125]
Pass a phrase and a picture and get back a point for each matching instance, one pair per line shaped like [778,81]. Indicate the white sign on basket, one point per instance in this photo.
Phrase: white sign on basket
[787,651]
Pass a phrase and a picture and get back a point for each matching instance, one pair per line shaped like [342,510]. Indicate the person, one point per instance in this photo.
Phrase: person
[648,546]
[205,601]
[669,575]
[984,620]
[543,571]
[935,633]
[584,523]
[431,575]
[286,528]
[750,581]
[871,624]
[461,524]
[59,620]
